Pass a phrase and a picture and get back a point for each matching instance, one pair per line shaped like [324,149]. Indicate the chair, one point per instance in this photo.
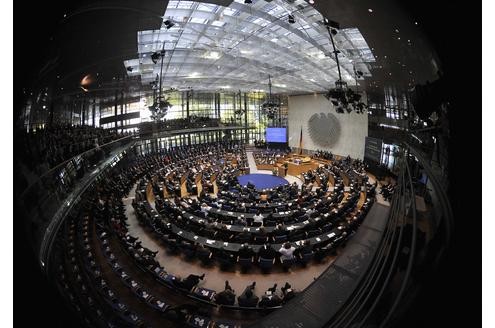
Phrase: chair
[245,263]
[189,253]
[266,265]
[305,258]
[287,264]
[225,263]
[270,223]
[313,233]
[205,257]
[280,239]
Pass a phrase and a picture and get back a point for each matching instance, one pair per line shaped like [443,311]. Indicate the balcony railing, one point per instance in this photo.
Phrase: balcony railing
[40,203]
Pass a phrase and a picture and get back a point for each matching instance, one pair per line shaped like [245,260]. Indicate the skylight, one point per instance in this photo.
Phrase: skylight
[239,45]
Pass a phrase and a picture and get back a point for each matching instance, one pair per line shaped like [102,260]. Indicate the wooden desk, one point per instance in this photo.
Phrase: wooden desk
[268,167]
[281,170]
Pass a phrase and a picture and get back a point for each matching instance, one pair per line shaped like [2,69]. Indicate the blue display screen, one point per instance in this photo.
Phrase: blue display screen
[276,134]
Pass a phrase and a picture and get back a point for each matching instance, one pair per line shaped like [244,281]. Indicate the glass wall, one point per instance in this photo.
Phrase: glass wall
[231,108]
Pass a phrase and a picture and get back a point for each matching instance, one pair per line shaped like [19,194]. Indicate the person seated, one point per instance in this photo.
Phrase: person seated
[225,258]
[223,233]
[243,237]
[227,296]
[286,252]
[287,292]
[190,282]
[258,219]
[247,298]
[245,252]
[267,252]
[307,248]
[205,209]
[278,231]
[203,251]
[270,299]
[260,236]
[239,221]
[250,185]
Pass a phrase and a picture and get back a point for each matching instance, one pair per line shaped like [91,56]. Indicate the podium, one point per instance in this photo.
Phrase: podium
[282,171]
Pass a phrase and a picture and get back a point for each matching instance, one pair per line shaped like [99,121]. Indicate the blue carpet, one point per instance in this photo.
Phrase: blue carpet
[262,181]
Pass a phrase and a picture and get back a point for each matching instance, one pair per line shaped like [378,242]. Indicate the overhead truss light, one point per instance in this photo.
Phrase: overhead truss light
[272,105]
[342,97]
[168,24]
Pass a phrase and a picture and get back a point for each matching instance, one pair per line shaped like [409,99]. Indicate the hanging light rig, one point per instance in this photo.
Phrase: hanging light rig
[342,97]
[161,105]
[270,107]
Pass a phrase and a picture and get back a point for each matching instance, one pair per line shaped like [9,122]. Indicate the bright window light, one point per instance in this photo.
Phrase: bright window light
[198,20]
[218,23]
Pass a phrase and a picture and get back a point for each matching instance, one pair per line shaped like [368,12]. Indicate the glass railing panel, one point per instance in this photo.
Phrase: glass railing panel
[41,200]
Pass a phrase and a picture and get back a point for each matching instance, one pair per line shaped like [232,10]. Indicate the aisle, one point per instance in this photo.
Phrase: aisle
[251,162]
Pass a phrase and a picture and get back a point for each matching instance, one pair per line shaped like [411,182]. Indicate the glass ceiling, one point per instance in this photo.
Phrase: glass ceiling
[212,47]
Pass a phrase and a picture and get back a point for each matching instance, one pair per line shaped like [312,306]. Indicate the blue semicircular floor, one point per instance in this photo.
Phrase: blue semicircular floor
[262,181]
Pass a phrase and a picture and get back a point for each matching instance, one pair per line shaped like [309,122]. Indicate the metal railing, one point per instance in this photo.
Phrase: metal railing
[40,202]
[390,276]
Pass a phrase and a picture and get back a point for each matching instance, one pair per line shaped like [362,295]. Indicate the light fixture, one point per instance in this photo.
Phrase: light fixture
[168,24]
[271,106]
[155,56]
[342,97]
[370,10]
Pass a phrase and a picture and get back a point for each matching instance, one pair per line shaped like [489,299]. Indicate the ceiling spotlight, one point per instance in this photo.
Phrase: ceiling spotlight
[370,10]
[291,19]
[331,23]
[312,2]
[155,56]
[248,2]
[168,24]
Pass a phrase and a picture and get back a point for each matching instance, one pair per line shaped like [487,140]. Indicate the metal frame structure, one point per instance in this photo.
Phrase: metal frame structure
[212,47]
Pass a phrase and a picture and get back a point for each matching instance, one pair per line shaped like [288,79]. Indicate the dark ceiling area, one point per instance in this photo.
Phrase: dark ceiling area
[61,43]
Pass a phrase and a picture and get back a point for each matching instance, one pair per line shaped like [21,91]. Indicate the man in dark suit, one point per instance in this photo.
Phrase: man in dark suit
[247,298]
[246,252]
[307,248]
[188,283]
[270,299]
[227,296]
[267,252]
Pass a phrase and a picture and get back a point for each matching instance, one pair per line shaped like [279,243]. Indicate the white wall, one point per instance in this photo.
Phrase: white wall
[353,126]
